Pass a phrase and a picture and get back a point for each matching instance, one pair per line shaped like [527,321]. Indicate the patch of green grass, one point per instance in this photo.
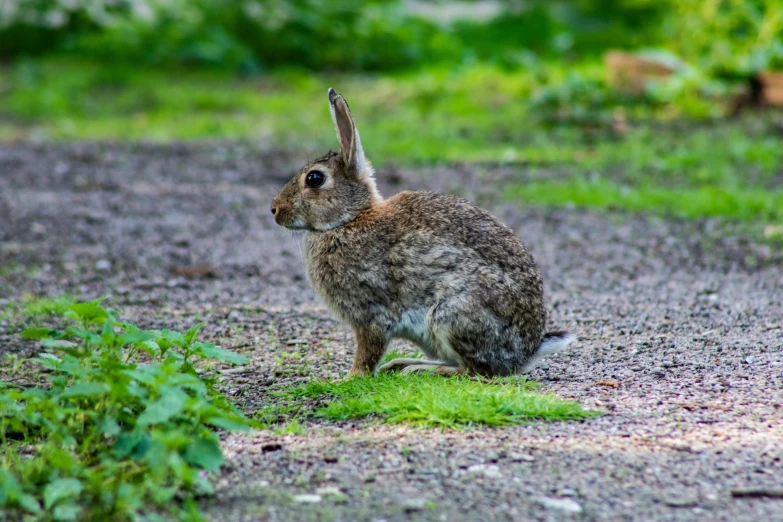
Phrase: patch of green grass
[434,401]
[292,427]
[31,310]
[36,307]
[744,204]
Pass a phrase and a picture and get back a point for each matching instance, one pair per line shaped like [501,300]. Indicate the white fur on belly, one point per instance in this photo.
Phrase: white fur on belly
[414,326]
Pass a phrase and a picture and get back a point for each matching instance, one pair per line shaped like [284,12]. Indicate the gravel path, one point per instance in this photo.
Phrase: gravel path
[680,330]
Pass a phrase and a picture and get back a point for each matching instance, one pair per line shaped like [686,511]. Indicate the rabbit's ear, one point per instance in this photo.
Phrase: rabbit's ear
[348,135]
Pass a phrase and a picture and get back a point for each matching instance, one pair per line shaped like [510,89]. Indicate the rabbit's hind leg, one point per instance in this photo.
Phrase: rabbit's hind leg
[404,362]
[438,368]
[470,336]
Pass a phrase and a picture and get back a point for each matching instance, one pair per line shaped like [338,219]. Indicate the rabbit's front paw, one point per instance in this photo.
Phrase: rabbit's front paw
[357,372]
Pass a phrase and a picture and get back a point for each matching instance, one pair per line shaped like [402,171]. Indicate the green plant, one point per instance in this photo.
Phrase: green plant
[577,99]
[243,36]
[36,308]
[251,35]
[730,38]
[124,427]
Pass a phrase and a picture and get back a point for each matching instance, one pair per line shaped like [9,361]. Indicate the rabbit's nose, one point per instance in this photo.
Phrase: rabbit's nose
[274,211]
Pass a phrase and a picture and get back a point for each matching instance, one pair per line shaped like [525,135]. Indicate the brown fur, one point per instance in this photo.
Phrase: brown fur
[427,267]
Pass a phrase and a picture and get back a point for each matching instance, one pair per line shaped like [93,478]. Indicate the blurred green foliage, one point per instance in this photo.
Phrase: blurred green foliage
[468,112]
[252,35]
[515,81]
[729,38]
[565,137]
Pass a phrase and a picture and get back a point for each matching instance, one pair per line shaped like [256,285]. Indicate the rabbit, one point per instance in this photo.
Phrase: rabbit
[430,268]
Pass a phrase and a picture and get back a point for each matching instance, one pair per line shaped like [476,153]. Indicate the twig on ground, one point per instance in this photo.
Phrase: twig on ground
[757,492]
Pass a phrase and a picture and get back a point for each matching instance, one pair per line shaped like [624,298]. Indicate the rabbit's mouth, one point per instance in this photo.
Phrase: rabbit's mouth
[285,218]
[296,224]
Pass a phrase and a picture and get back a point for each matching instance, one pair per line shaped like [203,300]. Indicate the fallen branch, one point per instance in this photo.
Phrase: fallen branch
[757,493]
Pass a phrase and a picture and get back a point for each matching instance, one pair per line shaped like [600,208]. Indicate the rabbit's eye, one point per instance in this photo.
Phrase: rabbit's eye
[314,179]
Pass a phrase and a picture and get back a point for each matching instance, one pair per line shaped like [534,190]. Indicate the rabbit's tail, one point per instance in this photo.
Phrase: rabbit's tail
[553,342]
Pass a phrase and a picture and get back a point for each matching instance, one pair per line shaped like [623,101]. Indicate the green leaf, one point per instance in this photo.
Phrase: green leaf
[68,511]
[60,458]
[110,427]
[128,327]
[107,334]
[162,344]
[210,351]
[228,424]
[41,333]
[174,338]
[135,338]
[80,333]
[9,486]
[142,376]
[169,405]
[128,442]
[59,489]
[74,351]
[85,389]
[151,347]
[192,333]
[29,502]
[204,453]
[90,312]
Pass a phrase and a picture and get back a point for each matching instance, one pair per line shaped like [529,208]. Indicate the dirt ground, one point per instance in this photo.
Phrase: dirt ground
[680,329]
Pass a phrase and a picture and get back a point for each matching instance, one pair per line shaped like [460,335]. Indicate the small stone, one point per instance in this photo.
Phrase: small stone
[328,490]
[757,492]
[307,499]
[490,471]
[521,457]
[680,502]
[414,504]
[567,493]
[563,504]
[103,265]
[333,493]
[680,446]
[62,343]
